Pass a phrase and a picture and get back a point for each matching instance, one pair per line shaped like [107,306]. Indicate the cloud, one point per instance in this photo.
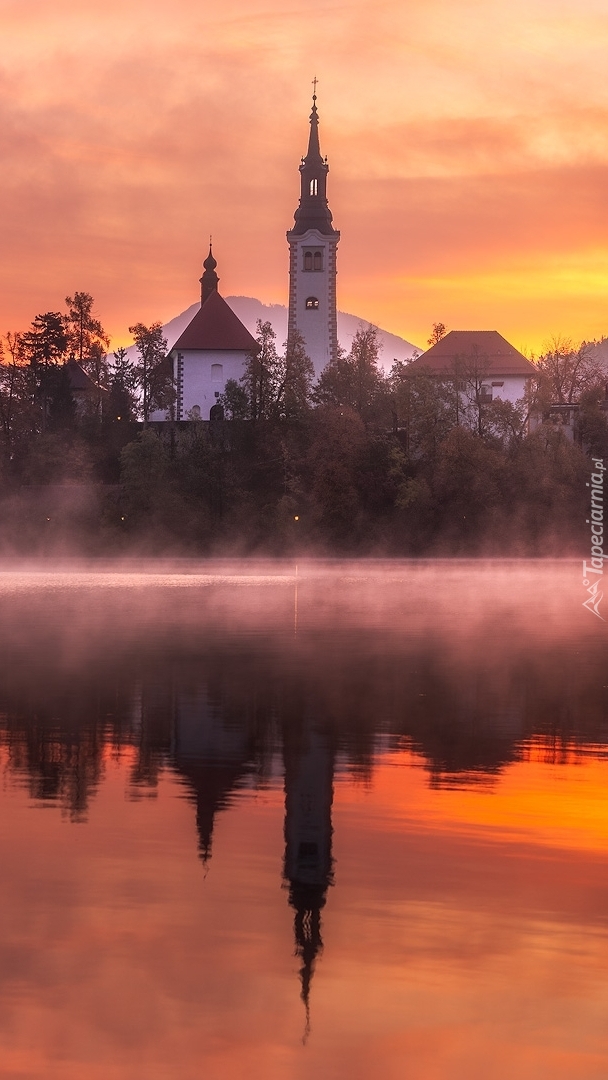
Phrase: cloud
[462,139]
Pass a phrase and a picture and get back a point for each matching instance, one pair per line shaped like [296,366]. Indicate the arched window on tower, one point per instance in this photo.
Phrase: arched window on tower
[312,303]
[313,187]
[318,260]
[308,260]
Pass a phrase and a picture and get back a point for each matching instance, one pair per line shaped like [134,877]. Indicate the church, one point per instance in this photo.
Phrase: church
[215,345]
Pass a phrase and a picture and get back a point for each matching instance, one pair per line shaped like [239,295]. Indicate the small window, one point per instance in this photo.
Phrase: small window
[308,853]
[318,260]
[195,412]
[308,260]
[312,303]
[313,188]
[217,374]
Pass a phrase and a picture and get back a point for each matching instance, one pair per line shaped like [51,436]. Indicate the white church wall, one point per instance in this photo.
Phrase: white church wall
[200,379]
[205,375]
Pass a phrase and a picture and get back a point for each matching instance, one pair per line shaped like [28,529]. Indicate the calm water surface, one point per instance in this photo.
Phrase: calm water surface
[351,823]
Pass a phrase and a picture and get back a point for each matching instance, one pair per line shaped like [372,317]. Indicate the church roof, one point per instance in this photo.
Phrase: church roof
[313,211]
[487,349]
[80,381]
[216,327]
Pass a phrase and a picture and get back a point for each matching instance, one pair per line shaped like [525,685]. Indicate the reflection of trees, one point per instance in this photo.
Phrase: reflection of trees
[215,709]
[57,730]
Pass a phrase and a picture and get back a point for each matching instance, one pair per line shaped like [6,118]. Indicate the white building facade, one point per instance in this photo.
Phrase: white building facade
[483,361]
[313,244]
[212,349]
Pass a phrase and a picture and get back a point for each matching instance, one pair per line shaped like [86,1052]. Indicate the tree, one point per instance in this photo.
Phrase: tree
[18,412]
[87,339]
[565,372]
[355,381]
[122,404]
[46,341]
[44,345]
[144,465]
[470,382]
[425,406]
[438,332]
[367,377]
[335,384]
[297,374]
[61,404]
[261,378]
[234,401]
[334,457]
[153,375]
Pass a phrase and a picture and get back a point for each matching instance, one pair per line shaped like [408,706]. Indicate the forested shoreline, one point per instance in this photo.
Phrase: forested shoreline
[360,462]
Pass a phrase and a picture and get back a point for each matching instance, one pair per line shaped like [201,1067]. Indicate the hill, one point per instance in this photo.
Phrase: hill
[249,310]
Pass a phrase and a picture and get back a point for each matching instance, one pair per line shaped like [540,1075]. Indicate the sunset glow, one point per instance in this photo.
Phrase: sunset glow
[468,147]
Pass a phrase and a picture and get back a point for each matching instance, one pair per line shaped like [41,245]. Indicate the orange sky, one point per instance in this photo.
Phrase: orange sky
[468,145]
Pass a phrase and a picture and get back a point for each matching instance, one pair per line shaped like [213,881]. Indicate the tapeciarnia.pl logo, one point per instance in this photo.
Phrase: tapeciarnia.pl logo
[596,521]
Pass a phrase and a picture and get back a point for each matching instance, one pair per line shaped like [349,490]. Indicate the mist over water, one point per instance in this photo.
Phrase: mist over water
[262,819]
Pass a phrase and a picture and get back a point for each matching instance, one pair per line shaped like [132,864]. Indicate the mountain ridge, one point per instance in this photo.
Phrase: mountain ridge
[249,310]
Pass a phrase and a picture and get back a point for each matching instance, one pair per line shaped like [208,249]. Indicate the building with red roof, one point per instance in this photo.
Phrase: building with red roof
[211,350]
[483,357]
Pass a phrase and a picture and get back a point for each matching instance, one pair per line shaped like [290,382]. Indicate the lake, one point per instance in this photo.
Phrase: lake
[343,820]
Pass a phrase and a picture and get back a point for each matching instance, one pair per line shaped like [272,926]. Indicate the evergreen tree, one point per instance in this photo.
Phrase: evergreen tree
[261,379]
[153,374]
[18,412]
[46,341]
[87,339]
[44,345]
[297,375]
[122,404]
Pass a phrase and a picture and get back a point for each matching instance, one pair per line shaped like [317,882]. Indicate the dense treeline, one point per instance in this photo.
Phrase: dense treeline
[360,462]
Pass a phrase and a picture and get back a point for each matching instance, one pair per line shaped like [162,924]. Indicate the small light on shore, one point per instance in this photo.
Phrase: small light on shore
[296,518]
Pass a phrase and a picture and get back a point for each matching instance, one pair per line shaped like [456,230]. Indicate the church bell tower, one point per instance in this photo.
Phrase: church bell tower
[313,244]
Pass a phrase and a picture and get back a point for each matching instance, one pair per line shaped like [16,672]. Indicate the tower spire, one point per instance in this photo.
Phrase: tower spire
[313,155]
[313,211]
[210,280]
[313,241]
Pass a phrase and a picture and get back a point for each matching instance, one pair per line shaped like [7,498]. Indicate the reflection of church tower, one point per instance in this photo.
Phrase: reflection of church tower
[309,765]
[312,258]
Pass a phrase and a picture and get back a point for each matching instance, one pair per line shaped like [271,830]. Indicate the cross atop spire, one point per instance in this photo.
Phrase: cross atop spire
[313,211]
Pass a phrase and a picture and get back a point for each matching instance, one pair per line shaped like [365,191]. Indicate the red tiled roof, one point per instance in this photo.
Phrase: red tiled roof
[487,349]
[215,326]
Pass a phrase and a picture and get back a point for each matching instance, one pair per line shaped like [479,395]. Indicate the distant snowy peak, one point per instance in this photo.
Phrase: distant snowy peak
[249,310]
